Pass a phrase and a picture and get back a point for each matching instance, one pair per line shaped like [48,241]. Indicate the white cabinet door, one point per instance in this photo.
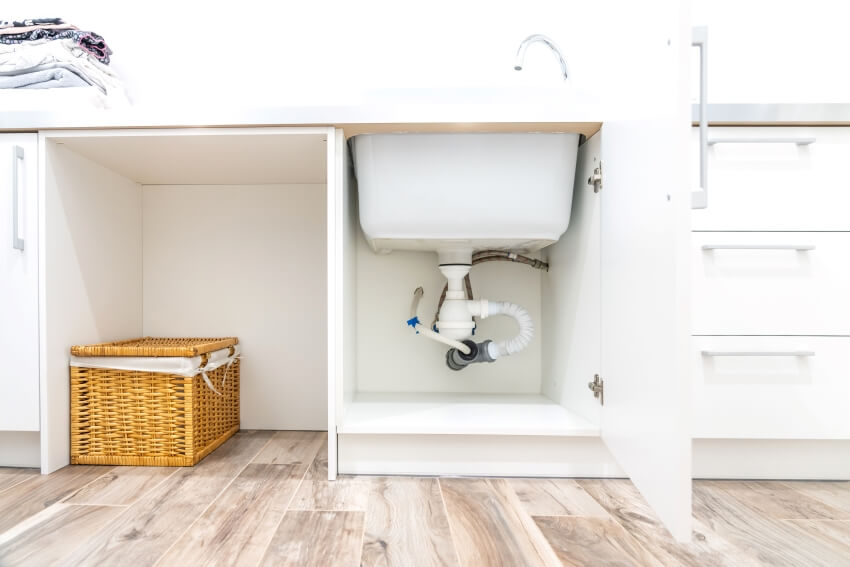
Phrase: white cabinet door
[19,282]
[645,215]
[645,328]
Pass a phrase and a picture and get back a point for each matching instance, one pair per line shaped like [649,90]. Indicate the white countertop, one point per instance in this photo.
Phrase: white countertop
[386,106]
[536,107]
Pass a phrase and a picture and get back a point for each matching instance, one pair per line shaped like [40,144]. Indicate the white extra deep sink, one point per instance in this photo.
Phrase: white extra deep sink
[464,190]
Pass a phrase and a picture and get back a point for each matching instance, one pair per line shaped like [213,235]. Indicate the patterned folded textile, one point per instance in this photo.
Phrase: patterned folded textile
[31,22]
[41,58]
[89,41]
[19,57]
[20,30]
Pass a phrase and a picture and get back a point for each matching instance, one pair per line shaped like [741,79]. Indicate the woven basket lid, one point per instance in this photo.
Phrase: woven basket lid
[155,346]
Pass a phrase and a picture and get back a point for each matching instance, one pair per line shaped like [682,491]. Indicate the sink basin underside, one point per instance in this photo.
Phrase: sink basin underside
[464,191]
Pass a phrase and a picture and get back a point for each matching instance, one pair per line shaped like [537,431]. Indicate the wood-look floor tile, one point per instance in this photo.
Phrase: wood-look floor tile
[778,500]
[344,493]
[834,534]
[318,469]
[588,542]
[832,493]
[121,486]
[292,447]
[318,493]
[555,497]
[771,542]
[625,504]
[10,477]
[36,494]
[406,524]
[490,527]
[238,526]
[152,524]
[317,539]
[61,529]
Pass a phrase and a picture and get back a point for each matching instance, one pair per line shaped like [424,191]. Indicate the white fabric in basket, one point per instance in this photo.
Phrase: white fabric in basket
[182,366]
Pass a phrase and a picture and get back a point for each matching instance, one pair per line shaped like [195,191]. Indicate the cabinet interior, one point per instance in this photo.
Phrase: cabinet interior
[397,382]
[192,233]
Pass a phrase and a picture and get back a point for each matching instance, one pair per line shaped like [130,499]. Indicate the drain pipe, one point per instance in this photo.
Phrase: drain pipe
[426,332]
[526,326]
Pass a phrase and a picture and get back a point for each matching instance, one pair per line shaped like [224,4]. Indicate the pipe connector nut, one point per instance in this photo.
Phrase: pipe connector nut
[480,352]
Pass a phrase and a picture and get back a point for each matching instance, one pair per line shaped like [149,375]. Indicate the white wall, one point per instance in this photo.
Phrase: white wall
[246,261]
[768,51]
[254,52]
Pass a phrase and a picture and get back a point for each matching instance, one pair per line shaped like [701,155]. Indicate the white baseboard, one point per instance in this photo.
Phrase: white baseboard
[20,449]
[772,459]
[475,455]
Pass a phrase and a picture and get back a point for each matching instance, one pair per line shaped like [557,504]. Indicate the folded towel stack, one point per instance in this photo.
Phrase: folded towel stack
[47,53]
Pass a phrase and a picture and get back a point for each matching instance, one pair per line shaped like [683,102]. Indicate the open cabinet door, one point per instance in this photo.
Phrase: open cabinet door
[645,329]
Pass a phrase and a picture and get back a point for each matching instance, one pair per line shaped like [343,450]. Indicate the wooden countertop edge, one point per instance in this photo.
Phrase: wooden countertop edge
[352,129]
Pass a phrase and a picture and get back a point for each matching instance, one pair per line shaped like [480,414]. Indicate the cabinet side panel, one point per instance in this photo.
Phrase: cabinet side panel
[92,276]
[570,299]
[341,292]
[351,228]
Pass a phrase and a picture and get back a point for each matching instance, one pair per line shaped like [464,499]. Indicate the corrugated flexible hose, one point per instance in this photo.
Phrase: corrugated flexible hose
[526,327]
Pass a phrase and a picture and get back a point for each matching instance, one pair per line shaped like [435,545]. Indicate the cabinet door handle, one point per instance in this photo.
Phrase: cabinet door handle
[758,353]
[800,141]
[699,38]
[17,157]
[797,247]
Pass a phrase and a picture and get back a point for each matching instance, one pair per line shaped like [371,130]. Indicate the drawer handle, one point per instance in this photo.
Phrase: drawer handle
[758,353]
[17,158]
[800,141]
[798,247]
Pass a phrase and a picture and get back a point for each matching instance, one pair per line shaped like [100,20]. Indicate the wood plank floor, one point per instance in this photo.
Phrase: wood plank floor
[263,499]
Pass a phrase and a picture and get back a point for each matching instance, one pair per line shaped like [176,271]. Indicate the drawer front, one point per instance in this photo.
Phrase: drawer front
[771,387]
[780,283]
[771,183]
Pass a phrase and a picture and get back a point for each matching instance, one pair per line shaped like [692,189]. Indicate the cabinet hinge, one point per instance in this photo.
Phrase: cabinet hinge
[598,389]
[596,178]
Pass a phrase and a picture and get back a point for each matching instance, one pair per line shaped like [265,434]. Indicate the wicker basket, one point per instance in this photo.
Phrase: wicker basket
[136,416]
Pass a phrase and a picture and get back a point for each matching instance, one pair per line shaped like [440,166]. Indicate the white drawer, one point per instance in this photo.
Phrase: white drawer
[766,287]
[773,184]
[771,387]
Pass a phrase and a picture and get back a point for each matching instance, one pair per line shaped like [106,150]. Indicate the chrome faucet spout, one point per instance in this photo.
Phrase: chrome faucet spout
[520,54]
